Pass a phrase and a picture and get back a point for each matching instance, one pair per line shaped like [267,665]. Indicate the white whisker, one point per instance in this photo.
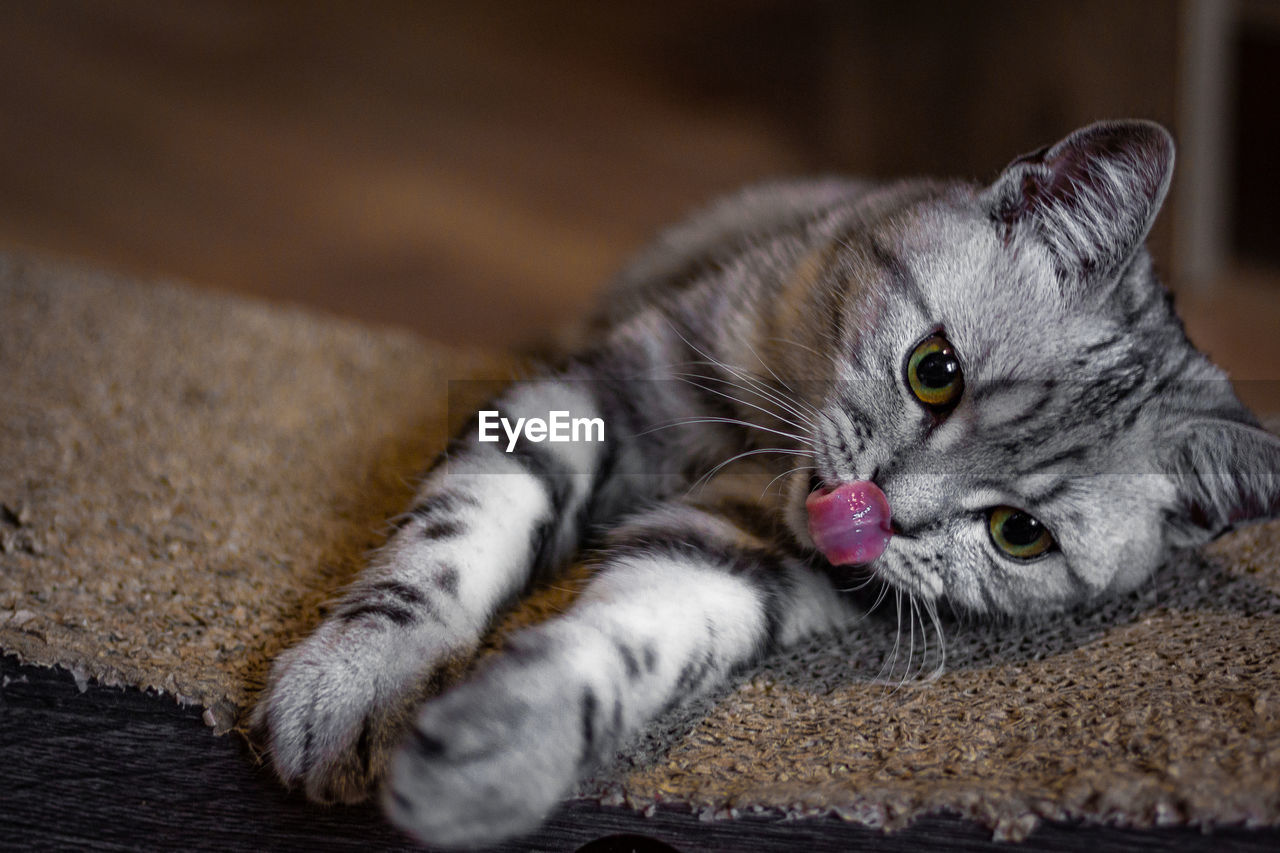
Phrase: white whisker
[689,377]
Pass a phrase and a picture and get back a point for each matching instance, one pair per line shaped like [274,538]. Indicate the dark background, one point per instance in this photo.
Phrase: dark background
[475,170]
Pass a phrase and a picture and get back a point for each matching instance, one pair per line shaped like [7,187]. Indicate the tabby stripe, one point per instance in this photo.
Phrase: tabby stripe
[443,529]
[692,676]
[1071,454]
[592,509]
[590,705]
[554,477]
[628,659]
[549,471]
[1103,345]
[387,610]
[434,506]
[400,590]
[902,276]
[364,751]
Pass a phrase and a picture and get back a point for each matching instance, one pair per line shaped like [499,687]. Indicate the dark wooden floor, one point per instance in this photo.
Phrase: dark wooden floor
[115,769]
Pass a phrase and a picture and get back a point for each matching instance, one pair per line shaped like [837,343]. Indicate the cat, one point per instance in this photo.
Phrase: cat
[979,394]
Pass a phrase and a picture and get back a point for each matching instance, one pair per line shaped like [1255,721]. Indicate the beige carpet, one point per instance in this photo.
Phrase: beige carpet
[187,478]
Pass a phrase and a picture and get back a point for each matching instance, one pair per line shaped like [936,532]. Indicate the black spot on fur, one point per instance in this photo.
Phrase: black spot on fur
[447,580]
[426,745]
[403,803]
[628,659]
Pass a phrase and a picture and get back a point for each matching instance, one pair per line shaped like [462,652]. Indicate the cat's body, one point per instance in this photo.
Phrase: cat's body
[982,392]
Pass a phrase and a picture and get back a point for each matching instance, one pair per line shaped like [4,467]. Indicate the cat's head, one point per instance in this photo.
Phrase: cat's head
[1001,365]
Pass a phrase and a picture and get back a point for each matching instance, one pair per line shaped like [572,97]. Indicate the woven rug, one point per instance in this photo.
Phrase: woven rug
[186,479]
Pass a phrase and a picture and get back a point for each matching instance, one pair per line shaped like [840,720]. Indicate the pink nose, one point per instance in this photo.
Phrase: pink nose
[849,523]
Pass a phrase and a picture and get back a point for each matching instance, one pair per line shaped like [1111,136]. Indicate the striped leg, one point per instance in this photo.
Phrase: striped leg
[683,597]
[483,523]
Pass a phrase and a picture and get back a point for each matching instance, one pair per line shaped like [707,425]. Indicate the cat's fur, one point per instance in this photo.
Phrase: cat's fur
[779,321]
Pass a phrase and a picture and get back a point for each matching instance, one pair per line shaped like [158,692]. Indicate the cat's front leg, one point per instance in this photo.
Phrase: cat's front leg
[483,521]
[682,598]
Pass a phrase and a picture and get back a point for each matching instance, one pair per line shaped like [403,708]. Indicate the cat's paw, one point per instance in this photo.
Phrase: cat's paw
[490,759]
[333,708]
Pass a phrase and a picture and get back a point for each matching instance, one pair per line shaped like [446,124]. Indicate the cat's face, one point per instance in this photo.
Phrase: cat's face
[1014,384]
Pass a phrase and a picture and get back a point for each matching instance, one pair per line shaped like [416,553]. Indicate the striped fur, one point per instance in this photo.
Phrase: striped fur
[755,352]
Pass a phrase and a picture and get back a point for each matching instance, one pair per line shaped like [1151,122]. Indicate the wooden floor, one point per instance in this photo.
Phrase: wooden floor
[109,769]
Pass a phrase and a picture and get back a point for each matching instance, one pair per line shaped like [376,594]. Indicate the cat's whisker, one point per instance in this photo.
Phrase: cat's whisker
[755,387]
[932,610]
[711,360]
[715,419]
[911,648]
[689,377]
[887,668]
[765,491]
[805,347]
[779,379]
[884,593]
[708,475]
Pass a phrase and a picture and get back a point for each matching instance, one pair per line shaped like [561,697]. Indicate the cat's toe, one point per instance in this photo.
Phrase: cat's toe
[479,767]
[325,725]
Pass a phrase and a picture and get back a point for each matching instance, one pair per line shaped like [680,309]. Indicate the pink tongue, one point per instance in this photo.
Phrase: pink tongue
[850,523]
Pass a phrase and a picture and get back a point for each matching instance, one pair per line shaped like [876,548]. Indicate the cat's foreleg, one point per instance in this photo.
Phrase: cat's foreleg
[483,522]
[682,598]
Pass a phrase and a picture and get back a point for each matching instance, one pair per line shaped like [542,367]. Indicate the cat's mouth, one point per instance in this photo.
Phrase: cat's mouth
[850,523]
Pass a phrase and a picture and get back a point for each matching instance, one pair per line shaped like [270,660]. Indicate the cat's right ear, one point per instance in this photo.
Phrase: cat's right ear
[1227,473]
[1091,197]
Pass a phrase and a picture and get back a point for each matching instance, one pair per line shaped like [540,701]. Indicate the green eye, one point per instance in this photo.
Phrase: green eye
[933,373]
[1018,534]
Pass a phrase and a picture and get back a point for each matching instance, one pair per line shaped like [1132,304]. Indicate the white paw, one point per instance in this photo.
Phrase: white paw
[334,706]
[490,759]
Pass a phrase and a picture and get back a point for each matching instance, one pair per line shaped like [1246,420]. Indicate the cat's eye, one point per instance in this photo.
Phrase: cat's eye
[1018,533]
[934,375]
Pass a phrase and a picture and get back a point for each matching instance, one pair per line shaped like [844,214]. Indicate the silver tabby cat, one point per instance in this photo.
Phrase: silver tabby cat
[980,392]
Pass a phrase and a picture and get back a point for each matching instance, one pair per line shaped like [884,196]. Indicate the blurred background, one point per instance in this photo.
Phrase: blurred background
[475,170]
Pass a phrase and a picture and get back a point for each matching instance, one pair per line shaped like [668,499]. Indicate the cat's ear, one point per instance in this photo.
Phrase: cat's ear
[1092,197]
[1227,473]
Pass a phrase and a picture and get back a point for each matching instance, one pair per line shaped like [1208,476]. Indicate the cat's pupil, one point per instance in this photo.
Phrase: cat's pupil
[937,370]
[1021,529]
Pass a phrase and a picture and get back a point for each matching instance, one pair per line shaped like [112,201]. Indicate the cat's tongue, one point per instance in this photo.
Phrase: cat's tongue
[850,523]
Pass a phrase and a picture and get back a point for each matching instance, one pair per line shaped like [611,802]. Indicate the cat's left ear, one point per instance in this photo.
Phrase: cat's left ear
[1227,473]
[1091,197]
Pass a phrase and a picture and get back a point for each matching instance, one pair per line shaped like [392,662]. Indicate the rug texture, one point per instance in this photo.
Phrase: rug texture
[186,479]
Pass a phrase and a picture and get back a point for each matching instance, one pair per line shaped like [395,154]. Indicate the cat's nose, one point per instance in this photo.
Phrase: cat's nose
[850,523]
